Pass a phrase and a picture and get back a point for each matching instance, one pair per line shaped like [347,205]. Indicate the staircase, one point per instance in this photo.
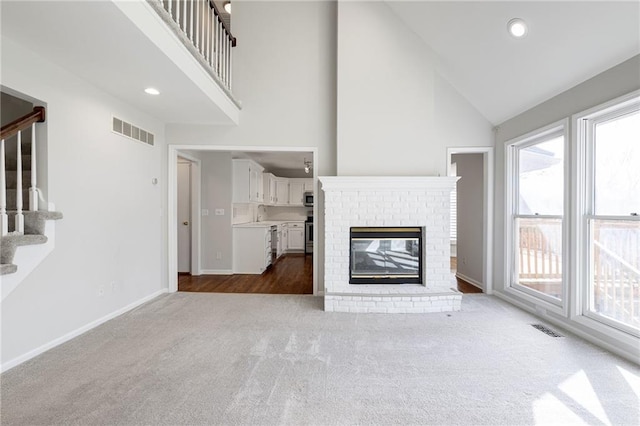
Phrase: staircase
[21,228]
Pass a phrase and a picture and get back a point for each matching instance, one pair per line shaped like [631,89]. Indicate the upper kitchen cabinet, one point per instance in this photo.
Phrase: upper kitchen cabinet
[269,189]
[247,182]
[296,192]
[308,185]
[282,191]
[297,188]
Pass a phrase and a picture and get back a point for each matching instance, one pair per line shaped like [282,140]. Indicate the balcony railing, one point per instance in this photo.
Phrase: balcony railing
[204,32]
[614,277]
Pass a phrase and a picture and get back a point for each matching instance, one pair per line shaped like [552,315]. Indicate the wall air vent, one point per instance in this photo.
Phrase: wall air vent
[546,330]
[130,131]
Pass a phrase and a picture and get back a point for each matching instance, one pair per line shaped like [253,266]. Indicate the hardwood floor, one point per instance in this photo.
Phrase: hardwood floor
[463,286]
[291,274]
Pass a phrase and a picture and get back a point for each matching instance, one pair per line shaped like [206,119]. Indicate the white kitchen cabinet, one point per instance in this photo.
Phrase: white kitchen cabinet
[308,185]
[296,192]
[247,181]
[251,249]
[295,236]
[282,191]
[281,240]
[284,243]
[269,192]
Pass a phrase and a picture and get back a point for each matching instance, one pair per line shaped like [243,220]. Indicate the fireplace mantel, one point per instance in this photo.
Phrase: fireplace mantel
[383,201]
[333,183]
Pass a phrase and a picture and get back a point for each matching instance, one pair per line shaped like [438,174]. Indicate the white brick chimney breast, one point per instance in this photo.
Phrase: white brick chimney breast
[423,202]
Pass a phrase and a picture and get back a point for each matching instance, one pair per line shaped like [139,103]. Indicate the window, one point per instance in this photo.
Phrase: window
[609,140]
[536,173]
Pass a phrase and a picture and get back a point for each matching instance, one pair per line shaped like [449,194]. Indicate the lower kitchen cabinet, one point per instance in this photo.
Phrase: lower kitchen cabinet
[251,250]
[295,237]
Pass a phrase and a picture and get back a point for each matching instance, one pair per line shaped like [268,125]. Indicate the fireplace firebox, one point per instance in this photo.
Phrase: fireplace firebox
[385,255]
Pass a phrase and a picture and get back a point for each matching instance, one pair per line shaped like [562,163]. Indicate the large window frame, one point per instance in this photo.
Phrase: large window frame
[512,182]
[585,216]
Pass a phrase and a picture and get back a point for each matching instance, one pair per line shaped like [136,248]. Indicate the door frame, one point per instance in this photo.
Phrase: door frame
[175,150]
[194,190]
[487,228]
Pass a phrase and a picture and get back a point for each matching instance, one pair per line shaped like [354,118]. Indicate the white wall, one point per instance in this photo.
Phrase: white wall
[112,229]
[284,75]
[471,216]
[216,194]
[615,82]
[13,107]
[396,113]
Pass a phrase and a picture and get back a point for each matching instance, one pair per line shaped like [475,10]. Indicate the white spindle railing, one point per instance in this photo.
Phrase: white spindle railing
[200,22]
[15,128]
[19,214]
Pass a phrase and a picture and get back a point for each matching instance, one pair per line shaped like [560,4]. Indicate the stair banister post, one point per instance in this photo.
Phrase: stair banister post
[19,215]
[4,224]
[33,190]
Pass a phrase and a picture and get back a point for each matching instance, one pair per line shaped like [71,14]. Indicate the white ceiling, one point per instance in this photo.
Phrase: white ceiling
[284,164]
[100,44]
[568,42]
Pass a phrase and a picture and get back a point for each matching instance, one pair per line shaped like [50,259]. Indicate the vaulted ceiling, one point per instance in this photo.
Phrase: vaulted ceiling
[568,42]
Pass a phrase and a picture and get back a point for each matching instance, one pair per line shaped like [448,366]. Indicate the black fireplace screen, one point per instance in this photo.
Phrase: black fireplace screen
[386,255]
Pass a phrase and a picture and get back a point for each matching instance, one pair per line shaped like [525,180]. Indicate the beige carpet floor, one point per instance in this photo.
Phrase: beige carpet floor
[199,358]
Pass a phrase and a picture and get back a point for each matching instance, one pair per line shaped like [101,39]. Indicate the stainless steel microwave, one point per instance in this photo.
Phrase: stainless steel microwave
[308,199]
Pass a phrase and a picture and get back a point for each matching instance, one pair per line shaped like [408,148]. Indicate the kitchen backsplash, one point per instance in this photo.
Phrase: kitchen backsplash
[286,213]
[243,213]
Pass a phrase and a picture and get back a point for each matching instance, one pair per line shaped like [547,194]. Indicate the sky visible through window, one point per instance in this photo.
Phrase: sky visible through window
[541,184]
[617,166]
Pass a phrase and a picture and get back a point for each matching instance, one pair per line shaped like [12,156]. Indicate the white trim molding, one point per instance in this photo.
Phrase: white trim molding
[216,272]
[488,154]
[77,332]
[172,211]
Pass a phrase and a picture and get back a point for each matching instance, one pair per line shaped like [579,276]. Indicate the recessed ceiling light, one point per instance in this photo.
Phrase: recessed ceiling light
[517,28]
[227,7]
[152,91]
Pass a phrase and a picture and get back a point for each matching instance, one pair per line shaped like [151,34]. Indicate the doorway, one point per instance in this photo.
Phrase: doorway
[187,221]
[472,217]
[233,213]
[184,216]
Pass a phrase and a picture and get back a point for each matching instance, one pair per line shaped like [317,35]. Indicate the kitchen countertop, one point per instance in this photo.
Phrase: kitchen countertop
[265,224]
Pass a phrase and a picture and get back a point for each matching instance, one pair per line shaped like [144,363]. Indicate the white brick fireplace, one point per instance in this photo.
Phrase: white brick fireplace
[389,202]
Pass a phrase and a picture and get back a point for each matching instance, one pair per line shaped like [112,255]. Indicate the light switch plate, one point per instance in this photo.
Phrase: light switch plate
[205,212]
[219,212]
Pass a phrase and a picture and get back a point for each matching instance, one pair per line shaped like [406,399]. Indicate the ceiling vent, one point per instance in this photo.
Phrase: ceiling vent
[130,131]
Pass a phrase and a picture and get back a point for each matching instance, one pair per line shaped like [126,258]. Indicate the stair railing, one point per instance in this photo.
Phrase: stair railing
[14,128]
[200,21]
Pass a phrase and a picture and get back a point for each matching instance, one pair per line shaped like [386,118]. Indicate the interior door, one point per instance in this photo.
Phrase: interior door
[184,217]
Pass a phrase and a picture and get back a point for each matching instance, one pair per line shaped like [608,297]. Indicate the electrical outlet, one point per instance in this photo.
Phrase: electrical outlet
[218,255]
[112,286]
[219,212]
[101,290]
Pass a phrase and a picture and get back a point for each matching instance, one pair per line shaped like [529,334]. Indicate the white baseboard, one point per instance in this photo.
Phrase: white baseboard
[471,281]
[568,326]
[216,272]
[75,333]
